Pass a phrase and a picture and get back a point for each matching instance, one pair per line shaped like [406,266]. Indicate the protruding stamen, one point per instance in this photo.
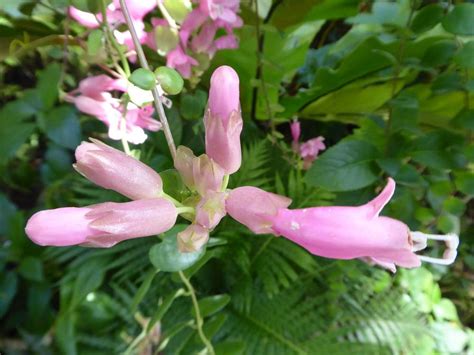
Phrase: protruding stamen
[451,240]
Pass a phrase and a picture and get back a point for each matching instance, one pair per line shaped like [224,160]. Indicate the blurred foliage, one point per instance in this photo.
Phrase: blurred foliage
[389,84]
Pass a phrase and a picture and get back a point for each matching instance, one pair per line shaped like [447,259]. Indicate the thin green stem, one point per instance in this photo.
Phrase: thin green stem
[182,210]
[167,15]
[199,320]
[156,94]
[172,199]
[112,40]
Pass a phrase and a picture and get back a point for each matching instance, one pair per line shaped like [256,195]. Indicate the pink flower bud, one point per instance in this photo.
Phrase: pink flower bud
[350,232]
[255,208]
[60,227]
[184,164]
[102,225]
[223,121]
[112,169]
[295,128]
[211,209]
[193,238]
[207,175]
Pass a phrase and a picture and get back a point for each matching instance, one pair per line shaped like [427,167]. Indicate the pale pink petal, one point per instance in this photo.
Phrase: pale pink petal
[60,227]
[115,170]
[255,208]
[86,19]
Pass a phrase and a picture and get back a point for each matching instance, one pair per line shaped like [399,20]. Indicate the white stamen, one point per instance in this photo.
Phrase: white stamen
[294,226]
[451,240]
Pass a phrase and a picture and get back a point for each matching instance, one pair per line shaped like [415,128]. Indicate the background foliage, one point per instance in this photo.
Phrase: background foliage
[389,84]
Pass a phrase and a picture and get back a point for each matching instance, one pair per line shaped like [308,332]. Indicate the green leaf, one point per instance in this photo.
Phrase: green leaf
[459,20]
[349,165]
[8,288]
[230,347]
[166,39]
[7,211]
[465,56]
[212,304]
[94,43]
[12,136]
[173,184]
[454,205]
[464,182]
[404,114]
[31,268]
[61,125]
[163,308]
[47,86]
[178,9]
[165,256]
[440,53]
[192,105]
[142,291]
[143,78]
[431,150]
[170,80]
[428,17]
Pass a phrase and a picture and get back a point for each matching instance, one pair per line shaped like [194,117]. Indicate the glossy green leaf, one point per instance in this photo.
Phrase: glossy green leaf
[47,86]
[8,288]
[459,20]
[428,17]
[165,256]
[61,125]
[212,304]
[349,165]
[142,290]
[465,57]
[31,268]
[143,78]
[170,80]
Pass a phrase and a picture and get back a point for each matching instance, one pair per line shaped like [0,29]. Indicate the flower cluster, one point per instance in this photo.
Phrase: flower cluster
[308,150]
[186,42]
[338,232]
[125,118]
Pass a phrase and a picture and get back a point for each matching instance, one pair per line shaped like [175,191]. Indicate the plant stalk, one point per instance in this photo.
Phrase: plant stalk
[156,95]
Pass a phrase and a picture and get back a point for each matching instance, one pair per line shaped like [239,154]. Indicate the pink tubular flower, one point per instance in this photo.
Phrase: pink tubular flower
[137,9]
[255,208]
[95,99]
[309,150]
[223,120]
[295,128]
[211,209]
[180,61]
[115,170]
[224,10]
[207,175]
[353,232]
[102,225]
[192,238]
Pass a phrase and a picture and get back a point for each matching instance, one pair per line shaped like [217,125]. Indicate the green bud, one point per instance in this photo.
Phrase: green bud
[143,78]
[170,80]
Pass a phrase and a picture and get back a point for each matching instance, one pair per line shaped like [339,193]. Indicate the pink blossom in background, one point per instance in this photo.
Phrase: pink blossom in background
[96,100]
[180,61]
[138,10]
[295,128]
[310,149]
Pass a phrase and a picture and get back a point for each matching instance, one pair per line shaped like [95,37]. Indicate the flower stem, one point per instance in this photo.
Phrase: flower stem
[167,15]
[156,95]
[199,320]
[112,40]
